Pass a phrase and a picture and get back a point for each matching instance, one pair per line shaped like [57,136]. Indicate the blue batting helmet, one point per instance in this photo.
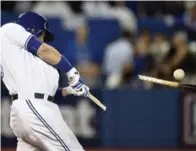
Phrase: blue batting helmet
[35,24]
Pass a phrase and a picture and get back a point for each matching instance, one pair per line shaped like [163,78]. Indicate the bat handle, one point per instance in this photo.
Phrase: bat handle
[96,101]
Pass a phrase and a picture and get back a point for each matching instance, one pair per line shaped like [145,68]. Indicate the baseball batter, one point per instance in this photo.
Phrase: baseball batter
[29,67]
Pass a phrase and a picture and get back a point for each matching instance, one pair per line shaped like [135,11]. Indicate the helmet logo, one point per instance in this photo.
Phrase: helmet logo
[34,31]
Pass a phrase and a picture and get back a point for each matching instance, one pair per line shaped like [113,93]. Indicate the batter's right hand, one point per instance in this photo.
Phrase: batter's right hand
[82,91]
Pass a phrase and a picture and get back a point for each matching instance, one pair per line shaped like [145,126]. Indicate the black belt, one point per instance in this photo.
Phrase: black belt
[36,95]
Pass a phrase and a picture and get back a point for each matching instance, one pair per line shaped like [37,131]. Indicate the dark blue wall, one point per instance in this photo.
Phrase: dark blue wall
[141,118]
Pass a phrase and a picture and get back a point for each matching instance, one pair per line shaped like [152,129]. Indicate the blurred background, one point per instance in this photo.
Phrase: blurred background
[110,43]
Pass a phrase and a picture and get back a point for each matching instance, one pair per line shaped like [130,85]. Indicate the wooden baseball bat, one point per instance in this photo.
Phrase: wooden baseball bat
[96,101]
[167,83]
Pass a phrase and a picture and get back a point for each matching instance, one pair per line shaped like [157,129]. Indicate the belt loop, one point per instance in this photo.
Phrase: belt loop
[45,97]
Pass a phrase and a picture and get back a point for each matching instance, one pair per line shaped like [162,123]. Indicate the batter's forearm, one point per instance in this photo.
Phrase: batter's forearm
[53,57]
[49,54]
[63,92]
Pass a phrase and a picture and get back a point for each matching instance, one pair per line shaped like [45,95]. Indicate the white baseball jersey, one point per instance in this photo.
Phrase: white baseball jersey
[37,123]
[23,72]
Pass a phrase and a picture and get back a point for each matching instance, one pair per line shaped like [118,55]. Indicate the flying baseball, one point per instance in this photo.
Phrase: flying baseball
[179,74]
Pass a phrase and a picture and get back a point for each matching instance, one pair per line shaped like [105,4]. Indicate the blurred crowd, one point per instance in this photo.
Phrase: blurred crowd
[133,52]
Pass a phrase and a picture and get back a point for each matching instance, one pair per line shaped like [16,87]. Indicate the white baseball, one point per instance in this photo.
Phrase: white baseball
[179,74]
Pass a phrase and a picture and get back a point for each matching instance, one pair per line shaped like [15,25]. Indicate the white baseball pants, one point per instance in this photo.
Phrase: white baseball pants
[39,126]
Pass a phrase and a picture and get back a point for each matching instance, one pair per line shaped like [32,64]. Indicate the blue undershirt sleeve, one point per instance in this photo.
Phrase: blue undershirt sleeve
[64,65]
[32,44]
